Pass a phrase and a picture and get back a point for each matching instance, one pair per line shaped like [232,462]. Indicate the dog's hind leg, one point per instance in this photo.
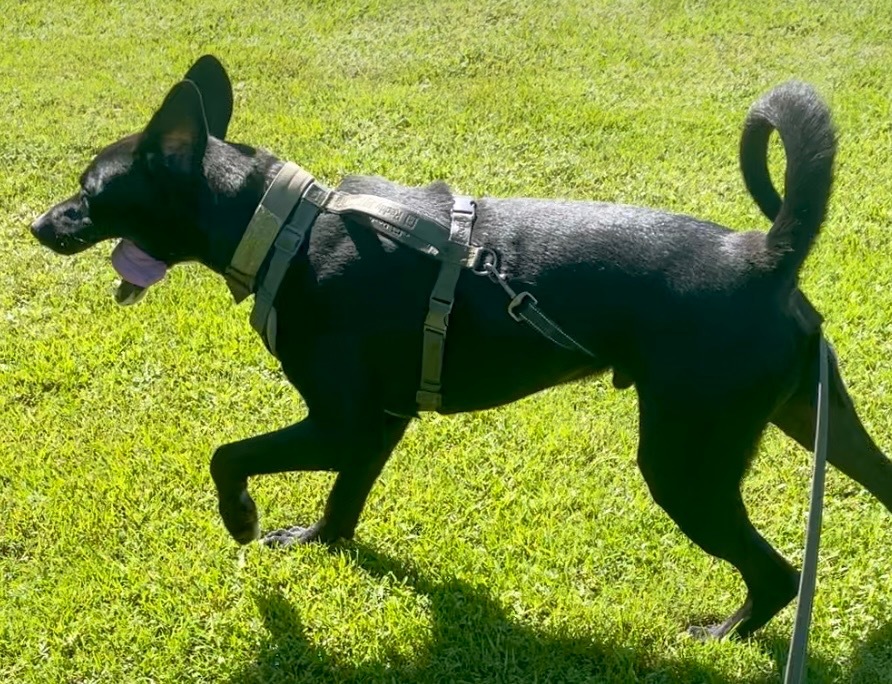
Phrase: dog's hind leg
[693,469]
[357,454]
[849,447]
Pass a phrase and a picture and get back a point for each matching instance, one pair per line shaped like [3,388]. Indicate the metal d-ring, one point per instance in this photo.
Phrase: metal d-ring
[485,262]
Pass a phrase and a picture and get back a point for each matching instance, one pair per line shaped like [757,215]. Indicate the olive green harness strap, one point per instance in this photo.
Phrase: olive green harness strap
[398,223]
[263,317]
[277,204]
[442,298]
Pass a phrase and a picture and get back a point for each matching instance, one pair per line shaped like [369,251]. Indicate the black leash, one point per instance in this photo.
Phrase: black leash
[523,306]
[798,654]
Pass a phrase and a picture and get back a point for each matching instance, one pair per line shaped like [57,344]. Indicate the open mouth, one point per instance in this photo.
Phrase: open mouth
[136,266]
[138,271]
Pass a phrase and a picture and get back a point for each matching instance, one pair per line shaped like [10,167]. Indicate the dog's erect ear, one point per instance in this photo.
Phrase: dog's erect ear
[213,83]
[177,135]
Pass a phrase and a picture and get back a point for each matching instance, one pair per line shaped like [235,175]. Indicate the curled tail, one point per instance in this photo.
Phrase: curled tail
[805,127]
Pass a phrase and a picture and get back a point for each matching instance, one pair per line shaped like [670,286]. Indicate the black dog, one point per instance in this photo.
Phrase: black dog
[708,324]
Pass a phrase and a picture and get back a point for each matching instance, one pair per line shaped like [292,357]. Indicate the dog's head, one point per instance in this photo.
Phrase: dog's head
[147,188]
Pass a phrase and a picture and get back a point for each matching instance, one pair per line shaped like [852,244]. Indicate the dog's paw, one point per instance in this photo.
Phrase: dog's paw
[240,517]
[300,535]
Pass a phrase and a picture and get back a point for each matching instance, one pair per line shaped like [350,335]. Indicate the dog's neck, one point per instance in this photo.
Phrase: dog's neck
[237,177]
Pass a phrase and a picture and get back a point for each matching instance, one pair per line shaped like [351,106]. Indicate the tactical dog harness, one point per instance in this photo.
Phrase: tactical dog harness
[284,218]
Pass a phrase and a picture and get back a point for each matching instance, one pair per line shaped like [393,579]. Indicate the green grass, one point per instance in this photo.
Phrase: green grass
[514,545]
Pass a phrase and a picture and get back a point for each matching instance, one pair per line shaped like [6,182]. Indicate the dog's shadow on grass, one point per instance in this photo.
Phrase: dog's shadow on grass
[872,660]
[474,640]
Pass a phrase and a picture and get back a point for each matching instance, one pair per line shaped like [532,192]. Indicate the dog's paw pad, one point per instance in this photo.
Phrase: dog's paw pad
[699,633]
[285,537]
[704,633]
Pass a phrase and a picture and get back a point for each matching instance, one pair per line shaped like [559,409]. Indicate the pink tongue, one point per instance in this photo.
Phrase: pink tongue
[135,266]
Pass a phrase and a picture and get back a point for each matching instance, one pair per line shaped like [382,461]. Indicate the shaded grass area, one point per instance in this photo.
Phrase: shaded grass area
[514,545]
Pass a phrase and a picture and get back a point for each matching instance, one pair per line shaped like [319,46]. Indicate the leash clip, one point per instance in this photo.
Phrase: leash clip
[489,269]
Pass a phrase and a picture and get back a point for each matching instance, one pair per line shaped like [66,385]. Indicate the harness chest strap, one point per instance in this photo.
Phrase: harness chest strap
[274,209]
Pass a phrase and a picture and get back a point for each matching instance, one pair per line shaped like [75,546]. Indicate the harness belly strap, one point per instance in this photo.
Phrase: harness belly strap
[442,299]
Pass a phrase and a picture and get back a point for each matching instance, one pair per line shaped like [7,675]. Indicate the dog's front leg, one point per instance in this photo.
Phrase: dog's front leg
[358,456]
